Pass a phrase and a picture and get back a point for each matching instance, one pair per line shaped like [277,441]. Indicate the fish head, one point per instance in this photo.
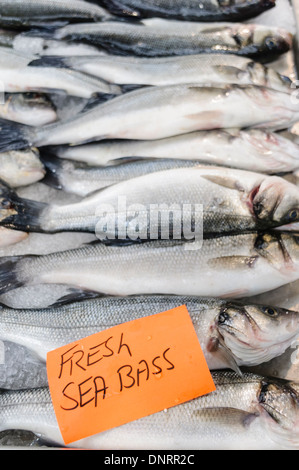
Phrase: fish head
[256,333]
[273,41]
[33,109]
[276,202]
[21,167]
[279,407]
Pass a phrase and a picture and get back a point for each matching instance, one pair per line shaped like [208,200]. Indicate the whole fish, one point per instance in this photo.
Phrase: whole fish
[158,38]
[21,167]
[180,109]
[81,179]
[204,68]
[190,10]
[240,265]
[231,200]
[11,237]
[36,12]
[32,109]
[249,412]
[252,149]
[231,334]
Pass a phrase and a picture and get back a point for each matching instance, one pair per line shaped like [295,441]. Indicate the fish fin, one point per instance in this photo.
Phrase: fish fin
[118,8]
[225,181]
[218,348]
[75,295]
[233,262]
[52,165]
[9,273]
[50,61]
[15,136]
[127,88]
[17,213]
[96,100]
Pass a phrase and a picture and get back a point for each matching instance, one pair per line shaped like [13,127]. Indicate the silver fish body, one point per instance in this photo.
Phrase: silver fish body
[31,109]
[82,180]
[204,68]
[158,38]
[51,79]
[190,10]
[21,167]
[226,266]
[181,109]
[252,149]
[33,13]
[230,201]
[231,334]
[243,413]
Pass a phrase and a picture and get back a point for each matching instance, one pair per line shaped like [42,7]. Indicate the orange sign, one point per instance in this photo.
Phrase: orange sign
[126,372]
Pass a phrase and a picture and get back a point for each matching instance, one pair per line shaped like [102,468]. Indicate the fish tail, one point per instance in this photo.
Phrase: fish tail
[53,165]
[18,213]
[51,61]
[15,136]
[9,273]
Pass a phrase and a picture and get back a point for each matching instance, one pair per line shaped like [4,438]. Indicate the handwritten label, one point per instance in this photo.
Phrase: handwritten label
[126,372]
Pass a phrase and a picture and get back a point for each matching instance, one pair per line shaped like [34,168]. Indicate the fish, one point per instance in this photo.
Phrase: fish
[82,180]
[156,37]
[11,237]
[32,109]
[231,266]
[201,68]
[231,334]
[181,109]
[21,168]
[191,10]
[14,59]
[230,201]
[54,80]
[248,412]
[20,13]
[248,149]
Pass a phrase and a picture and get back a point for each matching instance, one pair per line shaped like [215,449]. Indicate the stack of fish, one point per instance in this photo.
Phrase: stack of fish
[157,102]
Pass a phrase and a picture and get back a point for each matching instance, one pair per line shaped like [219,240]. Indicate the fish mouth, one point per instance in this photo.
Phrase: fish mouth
[250,200]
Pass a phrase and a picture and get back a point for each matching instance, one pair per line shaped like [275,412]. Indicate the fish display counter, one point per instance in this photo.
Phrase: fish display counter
[149,219]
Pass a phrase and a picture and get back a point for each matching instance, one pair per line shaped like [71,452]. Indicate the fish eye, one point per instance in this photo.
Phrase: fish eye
[270,311]
[223,317]
[270,43]
[292,215]
[6,204]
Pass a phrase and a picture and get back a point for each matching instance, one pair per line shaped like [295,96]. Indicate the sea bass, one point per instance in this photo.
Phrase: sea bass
[20,13]
[204,68]
[220,200]
[231,334]
[158,38]
[181,109]
[32,109]
[190,10]
[81,179]
[240,265]
[21,167]
[248,412]
[252,149]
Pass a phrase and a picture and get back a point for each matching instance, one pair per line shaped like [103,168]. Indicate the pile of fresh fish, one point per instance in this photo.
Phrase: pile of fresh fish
[148,160]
